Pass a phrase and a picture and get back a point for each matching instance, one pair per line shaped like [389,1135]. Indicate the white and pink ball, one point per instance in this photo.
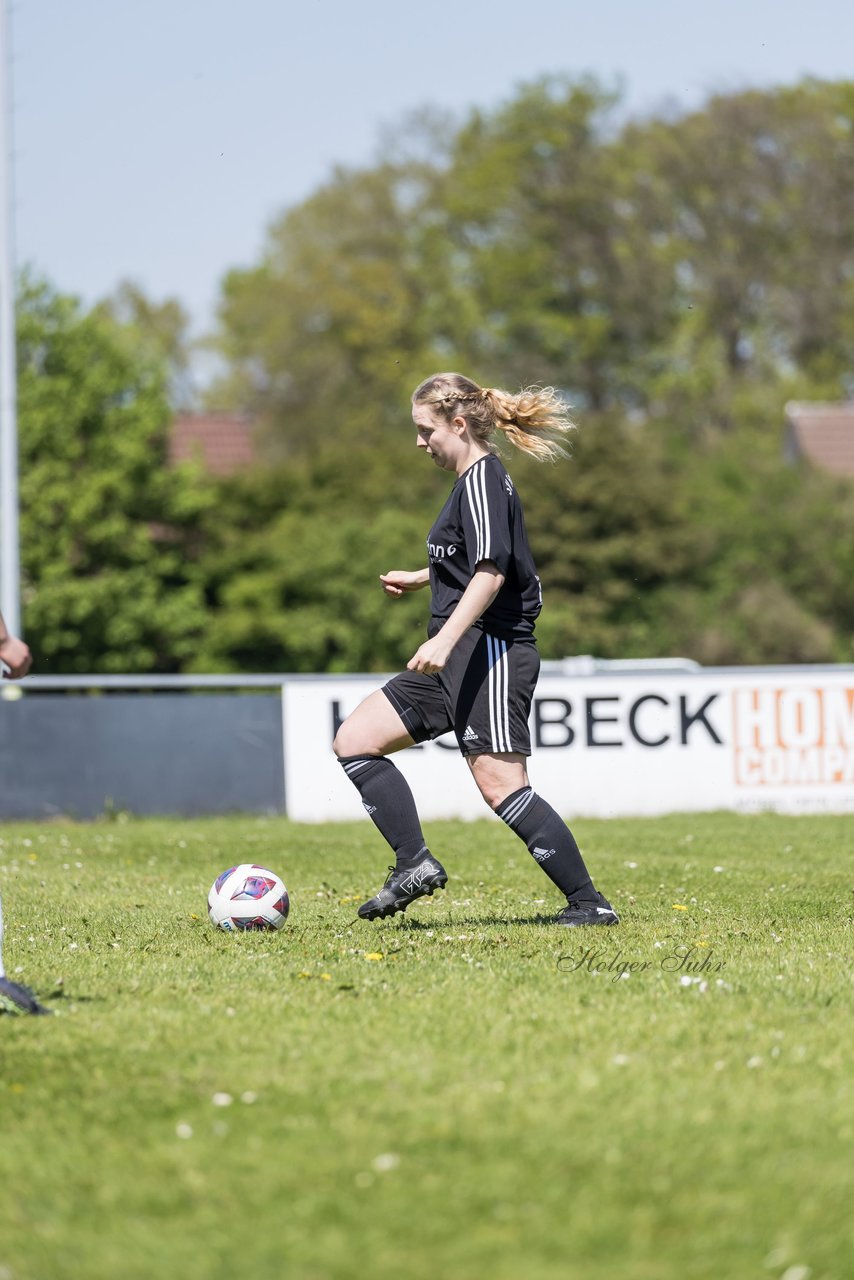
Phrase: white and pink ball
[248,897]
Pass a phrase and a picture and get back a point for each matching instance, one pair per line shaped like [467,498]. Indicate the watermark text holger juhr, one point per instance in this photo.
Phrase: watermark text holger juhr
[680,957]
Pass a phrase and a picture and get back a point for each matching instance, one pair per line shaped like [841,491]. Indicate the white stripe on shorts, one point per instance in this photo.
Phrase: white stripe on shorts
[498,693]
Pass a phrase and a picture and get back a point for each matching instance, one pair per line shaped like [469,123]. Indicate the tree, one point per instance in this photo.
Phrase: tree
[325,336]
[752,200]
[293,558]
[108,531]
[675,276]
[564,277]
[161,330]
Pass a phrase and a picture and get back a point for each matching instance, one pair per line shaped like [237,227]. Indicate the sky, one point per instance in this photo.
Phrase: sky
[157,140]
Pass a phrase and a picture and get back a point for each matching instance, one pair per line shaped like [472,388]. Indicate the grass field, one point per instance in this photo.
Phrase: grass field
[461,1093]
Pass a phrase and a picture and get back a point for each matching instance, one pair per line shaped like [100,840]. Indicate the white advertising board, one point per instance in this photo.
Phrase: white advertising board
[615,745]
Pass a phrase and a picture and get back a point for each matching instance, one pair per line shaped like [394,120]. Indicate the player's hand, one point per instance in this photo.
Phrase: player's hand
[398,581]
[431,657]
[16,656]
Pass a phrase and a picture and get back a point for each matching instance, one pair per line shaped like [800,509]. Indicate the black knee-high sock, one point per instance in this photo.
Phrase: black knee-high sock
[549,840]
[389,802]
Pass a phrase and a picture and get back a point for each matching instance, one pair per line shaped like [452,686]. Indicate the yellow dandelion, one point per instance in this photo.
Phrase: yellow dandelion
[373,955]
[677,906]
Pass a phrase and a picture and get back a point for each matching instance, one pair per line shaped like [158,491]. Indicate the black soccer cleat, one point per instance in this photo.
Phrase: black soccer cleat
[403,887]
[578,912]
[16,998]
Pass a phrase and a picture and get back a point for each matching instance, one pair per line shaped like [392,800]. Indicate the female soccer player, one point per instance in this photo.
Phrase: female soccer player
[477,669]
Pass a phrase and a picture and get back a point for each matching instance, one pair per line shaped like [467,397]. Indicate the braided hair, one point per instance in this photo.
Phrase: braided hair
[536,420]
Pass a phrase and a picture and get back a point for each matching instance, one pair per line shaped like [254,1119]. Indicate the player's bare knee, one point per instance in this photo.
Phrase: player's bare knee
[355,740]
[492,791]
[497,777]
[342,744]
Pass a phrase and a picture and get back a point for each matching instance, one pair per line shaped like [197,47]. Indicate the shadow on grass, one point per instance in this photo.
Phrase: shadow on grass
[68,997]
[410,922]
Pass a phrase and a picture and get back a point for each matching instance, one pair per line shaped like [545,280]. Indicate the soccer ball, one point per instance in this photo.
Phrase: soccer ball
[248,897]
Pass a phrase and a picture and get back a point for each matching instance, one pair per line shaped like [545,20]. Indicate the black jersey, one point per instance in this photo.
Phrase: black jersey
[483,520]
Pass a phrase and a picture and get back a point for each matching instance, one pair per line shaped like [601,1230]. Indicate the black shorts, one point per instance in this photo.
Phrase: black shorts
[484,694]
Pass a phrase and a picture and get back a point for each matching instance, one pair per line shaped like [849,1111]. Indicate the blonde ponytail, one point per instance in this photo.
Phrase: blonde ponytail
[536,420]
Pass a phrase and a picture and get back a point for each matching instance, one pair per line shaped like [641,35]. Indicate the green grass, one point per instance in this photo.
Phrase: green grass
[444,1095]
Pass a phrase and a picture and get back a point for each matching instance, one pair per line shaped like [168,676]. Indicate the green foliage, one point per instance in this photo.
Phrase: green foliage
[294,563]
[107,528]
[461,1065]
[679,278]
[564,275]
[159,330]
[753,202]
[778,546]
[325,335]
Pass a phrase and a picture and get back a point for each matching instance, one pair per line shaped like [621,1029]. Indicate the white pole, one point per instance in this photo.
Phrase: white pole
[9,555]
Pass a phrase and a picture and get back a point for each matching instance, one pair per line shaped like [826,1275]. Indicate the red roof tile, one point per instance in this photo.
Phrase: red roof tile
[223,443]
[823,434]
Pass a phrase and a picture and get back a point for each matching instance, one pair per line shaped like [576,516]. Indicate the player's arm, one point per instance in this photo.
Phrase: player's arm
[398,581]
[14,653]
[485,584]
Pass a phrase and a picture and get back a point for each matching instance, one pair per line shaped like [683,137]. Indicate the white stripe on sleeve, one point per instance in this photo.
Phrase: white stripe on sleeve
[476,492]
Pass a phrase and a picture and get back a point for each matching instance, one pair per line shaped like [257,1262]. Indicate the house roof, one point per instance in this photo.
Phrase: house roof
[823,434]
[223,443]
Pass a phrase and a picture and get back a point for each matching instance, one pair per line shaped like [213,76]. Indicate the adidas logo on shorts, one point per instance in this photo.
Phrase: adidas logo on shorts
[369,808]
[470,735]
